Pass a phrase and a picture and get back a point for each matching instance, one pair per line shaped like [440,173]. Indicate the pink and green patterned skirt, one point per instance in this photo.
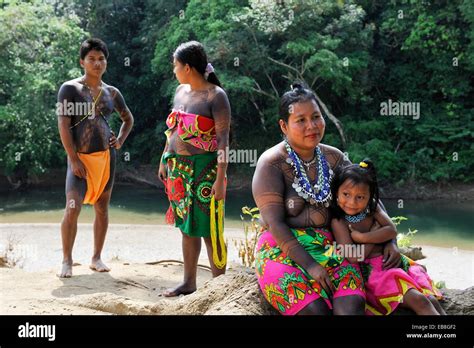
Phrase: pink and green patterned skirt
[385,288]
[288,287]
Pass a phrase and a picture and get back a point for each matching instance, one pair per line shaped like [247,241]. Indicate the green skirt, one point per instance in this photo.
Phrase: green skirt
[189,186]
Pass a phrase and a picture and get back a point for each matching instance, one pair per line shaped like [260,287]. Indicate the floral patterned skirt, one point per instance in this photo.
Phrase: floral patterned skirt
[288,287]
[189,186]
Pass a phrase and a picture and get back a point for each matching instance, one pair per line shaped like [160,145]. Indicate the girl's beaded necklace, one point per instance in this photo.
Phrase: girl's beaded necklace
[355,218]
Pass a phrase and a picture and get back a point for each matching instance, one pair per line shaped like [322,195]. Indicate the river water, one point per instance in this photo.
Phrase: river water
[439,223]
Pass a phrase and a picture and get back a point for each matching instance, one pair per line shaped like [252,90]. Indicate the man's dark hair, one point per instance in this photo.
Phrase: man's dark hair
[93,44]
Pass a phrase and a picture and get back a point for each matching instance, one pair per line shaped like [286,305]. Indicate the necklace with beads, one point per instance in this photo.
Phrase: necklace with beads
[307,164]
[94,104]
[355,218]
[315,193]
[96,99]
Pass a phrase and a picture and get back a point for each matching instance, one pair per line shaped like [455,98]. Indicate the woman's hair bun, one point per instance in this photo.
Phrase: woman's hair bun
[297,87]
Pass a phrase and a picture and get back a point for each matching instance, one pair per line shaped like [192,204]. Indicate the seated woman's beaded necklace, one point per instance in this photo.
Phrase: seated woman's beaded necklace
[320,191]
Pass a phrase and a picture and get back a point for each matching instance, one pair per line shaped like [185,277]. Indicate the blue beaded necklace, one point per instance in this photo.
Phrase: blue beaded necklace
[355,218]
[318,192]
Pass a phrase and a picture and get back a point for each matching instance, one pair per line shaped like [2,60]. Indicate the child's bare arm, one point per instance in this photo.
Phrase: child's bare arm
[343,237]
[386,232]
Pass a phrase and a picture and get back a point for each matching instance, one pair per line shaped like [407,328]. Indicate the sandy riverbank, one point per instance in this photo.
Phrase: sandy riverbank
[34,288]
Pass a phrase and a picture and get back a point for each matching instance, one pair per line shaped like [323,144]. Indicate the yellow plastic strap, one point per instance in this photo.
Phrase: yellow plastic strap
[220,263]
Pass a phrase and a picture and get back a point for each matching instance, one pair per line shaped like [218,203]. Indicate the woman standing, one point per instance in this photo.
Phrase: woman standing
[198,130]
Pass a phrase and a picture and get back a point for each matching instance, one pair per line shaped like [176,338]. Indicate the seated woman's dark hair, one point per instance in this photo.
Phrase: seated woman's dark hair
[299,92]
[93,44]
[358,174]
[193,54]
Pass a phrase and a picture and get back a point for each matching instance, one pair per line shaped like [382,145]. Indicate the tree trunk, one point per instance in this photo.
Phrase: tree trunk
[334,120]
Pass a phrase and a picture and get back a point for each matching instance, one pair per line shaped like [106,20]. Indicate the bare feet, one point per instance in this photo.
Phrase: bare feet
[66,271]
[99,266]
[182,289]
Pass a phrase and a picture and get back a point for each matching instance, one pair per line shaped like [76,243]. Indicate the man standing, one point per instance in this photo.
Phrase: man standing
[85,105]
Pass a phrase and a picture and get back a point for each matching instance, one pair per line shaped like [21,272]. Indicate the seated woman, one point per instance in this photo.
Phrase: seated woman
[355,209]
[297,269]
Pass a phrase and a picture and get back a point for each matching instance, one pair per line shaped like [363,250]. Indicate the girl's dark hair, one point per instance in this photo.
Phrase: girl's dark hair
[93,44]
[299,92]
[358,174]
[193,54]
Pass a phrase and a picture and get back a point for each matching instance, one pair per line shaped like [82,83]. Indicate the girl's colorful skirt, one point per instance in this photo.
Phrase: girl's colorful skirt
[385,288]
[288,287]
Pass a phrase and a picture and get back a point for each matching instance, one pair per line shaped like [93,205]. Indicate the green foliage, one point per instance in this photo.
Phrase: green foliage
[246,248]
[424,57]
[355,54]
[404,240]
[397,220]
[38,51]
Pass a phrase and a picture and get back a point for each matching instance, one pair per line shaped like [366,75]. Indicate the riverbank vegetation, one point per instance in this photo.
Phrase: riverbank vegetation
[394,79]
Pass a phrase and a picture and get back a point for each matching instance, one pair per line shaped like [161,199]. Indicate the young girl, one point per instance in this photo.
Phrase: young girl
[359,218]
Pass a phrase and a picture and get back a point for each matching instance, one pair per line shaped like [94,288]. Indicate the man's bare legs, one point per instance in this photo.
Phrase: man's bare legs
[101,223]
[191,250]
[69,230]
